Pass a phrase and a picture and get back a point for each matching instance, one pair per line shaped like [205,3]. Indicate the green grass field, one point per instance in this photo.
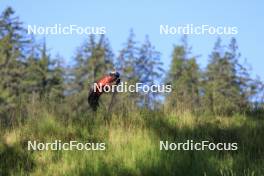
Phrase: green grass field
[132,143]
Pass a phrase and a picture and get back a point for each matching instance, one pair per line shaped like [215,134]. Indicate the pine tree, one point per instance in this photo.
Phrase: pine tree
[184,75]
[127,60]
[13,48]
[149,70]
[44,75]
[93,60]
[126,63]
[140,64]
[228,83]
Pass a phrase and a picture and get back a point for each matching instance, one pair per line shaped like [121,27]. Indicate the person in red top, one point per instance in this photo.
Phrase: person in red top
[94,94]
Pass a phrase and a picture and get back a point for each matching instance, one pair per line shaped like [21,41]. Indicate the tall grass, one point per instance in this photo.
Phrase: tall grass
[132,144]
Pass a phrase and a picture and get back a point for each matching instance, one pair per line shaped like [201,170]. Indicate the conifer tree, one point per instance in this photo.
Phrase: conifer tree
[44,75]
[93,60]
[183,75]
[149,70]
[228,84]
[127,60]
[140,64]
[13,49]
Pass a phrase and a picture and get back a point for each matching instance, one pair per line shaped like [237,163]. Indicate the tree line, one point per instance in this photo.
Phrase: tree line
[29,73]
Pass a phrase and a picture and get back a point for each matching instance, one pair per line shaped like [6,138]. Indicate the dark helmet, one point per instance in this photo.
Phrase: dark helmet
[114,73]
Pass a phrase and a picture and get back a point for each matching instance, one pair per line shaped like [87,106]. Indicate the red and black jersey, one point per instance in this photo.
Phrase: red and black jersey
[94,95]
[105,81]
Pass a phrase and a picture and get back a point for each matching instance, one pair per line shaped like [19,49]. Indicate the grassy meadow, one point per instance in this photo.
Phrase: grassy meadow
[43,98]
[132,143]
